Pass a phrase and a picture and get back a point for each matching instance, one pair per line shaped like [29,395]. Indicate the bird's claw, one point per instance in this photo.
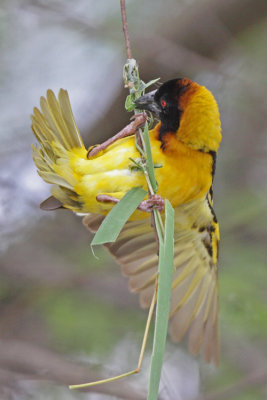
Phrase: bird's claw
[143,115]
[154,202]
[93,150]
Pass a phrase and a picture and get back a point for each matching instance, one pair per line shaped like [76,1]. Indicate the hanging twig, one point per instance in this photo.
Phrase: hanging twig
[125,29]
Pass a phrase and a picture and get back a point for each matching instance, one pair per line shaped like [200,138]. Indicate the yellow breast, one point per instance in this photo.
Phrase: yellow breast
[184,175]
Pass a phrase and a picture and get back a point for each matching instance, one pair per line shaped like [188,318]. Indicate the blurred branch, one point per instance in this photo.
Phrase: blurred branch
[245,357]
[19,272]
[34,362]
[174,56]
[67,16]
[242,354]
[255,378]
[208,26]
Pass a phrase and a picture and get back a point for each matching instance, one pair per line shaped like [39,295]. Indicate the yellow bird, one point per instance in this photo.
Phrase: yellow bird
[185,144]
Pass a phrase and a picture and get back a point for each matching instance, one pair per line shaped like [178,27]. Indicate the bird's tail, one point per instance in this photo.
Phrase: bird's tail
[56,131]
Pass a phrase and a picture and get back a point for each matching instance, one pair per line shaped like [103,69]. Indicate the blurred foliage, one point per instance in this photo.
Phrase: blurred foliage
[84,323]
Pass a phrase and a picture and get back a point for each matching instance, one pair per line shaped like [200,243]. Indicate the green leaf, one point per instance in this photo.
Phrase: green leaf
[129,102]
[113,223]
[166,252]
[141,86]
[150,83]
[137,164]
[149,160]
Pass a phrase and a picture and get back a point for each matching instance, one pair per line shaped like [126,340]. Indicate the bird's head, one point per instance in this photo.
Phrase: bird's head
[186,109]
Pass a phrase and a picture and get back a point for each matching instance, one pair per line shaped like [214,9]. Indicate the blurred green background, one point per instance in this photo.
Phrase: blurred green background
[67,317]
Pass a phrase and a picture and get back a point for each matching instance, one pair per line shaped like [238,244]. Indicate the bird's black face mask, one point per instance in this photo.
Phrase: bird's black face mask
[163,103]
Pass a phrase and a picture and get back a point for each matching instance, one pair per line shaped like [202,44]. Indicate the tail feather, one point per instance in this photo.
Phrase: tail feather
[56,121]
[56,131]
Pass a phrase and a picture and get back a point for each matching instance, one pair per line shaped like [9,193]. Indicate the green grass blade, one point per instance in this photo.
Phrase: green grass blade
[113,223]
[163,302]
[149,159]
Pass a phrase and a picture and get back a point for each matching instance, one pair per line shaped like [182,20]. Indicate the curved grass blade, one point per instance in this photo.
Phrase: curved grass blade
[113,223]
[163,302]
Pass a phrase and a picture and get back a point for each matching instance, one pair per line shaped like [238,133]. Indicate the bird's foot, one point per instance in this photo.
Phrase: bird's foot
[141,115]
[105,198]
[154,202]
[130,129]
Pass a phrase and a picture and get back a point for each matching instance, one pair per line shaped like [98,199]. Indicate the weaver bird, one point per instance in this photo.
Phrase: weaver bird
[184,143]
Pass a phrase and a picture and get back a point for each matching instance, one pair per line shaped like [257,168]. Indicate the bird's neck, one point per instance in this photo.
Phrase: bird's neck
[200,126]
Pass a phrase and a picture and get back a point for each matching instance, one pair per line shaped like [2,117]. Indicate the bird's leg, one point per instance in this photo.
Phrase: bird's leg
[130,129]
[142,351]
[154,202]
[105,198]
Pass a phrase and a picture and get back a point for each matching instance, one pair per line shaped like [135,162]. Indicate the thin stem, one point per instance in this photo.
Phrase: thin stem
[141,356]
[157,213]
[150,314]
[125,30]
[114,378]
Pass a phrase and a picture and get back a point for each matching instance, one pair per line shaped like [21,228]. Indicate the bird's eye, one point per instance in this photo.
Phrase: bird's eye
[163,103]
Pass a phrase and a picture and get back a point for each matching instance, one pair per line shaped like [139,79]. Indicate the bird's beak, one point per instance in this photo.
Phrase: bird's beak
[148,103]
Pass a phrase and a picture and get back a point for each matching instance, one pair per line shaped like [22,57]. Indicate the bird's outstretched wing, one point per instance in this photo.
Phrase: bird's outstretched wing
[194,301]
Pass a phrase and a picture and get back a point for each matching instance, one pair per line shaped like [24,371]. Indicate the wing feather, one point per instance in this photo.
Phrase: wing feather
[194,301]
